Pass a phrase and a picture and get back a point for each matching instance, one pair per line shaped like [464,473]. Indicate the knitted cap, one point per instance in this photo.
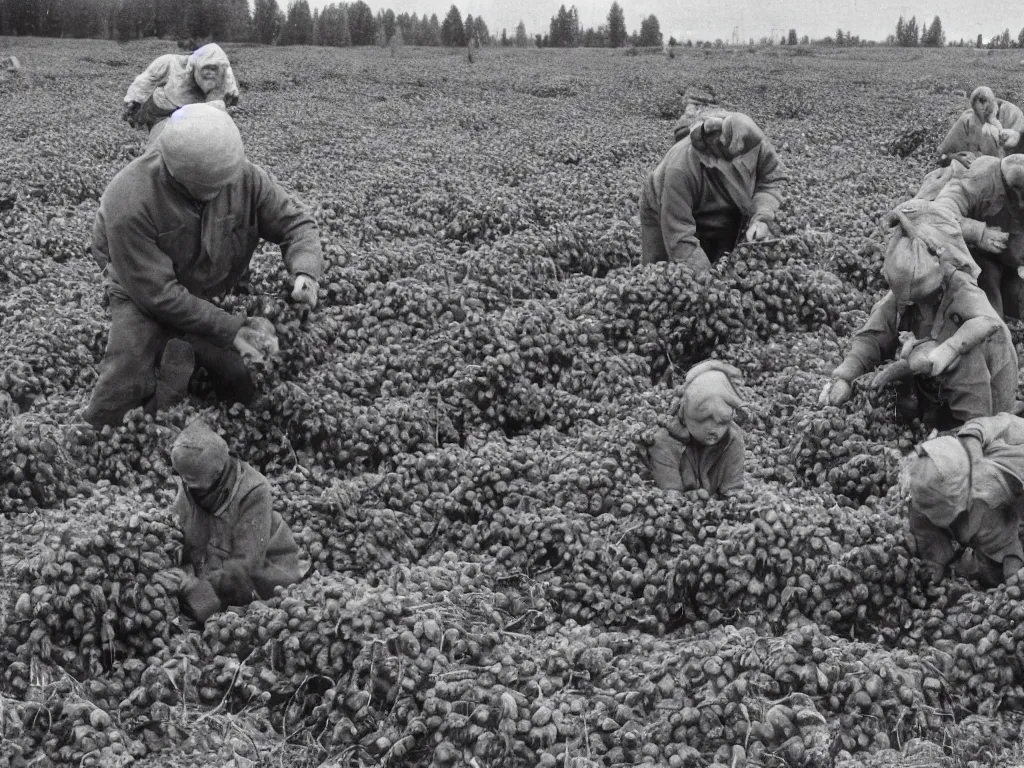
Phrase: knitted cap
[201,146]
[199,455]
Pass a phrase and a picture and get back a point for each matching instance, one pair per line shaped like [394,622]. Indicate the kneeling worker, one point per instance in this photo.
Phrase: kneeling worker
[176,227]
[969,489]
[237,547]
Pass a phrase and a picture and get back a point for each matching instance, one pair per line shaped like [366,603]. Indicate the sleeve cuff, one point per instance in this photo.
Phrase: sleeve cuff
[231,326]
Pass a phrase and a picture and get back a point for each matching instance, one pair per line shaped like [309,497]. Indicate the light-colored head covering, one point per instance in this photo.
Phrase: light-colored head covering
[709,390]
[983,96]
[925,246]
[201,145]
[732,133]
[937,478]
[199,455]
[211,53]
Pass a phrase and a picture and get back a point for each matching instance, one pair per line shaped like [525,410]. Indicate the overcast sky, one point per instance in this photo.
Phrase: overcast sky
[700,19]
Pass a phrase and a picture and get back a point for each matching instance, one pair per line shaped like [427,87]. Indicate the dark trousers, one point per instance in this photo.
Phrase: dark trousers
[1002,285]
[128,370]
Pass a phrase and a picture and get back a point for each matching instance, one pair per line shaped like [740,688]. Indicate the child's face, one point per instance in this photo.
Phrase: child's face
[707,428]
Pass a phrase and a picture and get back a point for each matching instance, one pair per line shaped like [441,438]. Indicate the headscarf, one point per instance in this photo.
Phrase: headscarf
[984,95]
[937,478]
[726,134]
[211,53]
[709,390]
[911,268]
[199,455]
[201,145]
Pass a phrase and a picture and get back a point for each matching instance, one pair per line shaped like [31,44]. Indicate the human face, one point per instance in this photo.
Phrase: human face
[708,429]
[208,76]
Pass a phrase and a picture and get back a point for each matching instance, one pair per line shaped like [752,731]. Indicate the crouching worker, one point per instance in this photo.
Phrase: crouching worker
[721,181]
[702,448]
[237,548]
[969,490]
[990,127]
[176,227]
[955,359]
[173,80]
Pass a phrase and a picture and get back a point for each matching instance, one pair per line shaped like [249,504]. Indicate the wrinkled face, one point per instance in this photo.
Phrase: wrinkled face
[209,76]
[707,428]
[984,107]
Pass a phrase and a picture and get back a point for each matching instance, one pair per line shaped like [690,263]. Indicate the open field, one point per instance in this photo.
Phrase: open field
[456,434]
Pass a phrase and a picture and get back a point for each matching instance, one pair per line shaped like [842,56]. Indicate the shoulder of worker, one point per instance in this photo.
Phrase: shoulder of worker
[136,182]
[1004,426]
[1008,113]
[250,478]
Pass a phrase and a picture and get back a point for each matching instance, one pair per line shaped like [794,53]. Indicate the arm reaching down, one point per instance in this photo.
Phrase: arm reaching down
[154,76]
[147,275]
[771,177]
[283,221]
[678,226]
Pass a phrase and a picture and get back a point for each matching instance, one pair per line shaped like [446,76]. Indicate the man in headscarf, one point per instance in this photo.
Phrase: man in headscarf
[989,200]
[176,227]
[969,490]
[721,181]
[174,80]
[959,362]
[702,447]
[991,127]
[237,547]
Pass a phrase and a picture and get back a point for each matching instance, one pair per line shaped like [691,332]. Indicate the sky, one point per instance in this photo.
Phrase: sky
[702,20]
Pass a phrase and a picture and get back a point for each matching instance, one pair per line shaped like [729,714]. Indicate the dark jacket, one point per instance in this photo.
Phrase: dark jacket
[170,254]
[682,464]
[688,190]
[242,549]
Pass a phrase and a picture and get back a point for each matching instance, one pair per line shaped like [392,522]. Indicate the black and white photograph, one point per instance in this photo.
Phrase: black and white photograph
[494,384]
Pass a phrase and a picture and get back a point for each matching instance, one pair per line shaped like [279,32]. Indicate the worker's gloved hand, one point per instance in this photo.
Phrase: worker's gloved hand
[994,240]
[256,340]
[758,231]
[836,392]
[992,131]
[171,579]
[198,600]
[304,291]
[940,358]
[129,111]
[1009,138]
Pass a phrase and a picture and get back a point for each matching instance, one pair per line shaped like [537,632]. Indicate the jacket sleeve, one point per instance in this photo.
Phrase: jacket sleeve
[732,465]
[147,275]
[283,221]
[153,77]
[1011,117]
[665,454]
[679,195]
[956,140]
[234,581]
[962,197]
[873,343]
[771,176]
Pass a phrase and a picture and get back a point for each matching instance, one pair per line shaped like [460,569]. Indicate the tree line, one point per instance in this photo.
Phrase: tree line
[337,24]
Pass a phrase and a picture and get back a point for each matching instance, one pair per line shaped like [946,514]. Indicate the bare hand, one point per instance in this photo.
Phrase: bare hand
[305,291]
[129,110]
[1009,138]
[994,240]
[758,231]
[230,99]
[940,359]
[836,392]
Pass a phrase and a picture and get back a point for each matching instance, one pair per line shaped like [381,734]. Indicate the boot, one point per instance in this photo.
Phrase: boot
[176,366]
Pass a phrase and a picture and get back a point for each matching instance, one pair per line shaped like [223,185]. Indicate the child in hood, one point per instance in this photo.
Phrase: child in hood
[969,490]
[960,363]
[702,448]
[237,547]
[174,80]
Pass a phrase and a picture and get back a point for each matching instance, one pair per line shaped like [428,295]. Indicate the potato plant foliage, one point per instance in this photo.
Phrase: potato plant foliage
[457,433]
